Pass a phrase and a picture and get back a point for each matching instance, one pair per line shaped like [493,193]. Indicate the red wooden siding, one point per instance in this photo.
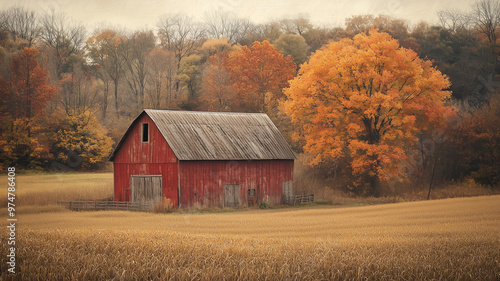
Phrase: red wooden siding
[151,158]
[133,150]
[202,182]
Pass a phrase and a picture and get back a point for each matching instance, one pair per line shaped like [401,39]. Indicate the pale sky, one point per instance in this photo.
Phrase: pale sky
[134,14]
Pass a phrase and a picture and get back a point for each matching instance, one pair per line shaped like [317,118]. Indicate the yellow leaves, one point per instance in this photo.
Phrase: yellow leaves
[79,136]
[22,142]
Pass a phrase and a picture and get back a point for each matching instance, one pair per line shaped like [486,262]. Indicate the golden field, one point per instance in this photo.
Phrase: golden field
[40,192]
[450,239]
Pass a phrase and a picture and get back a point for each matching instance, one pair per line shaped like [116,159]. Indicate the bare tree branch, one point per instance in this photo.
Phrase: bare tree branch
[21,24]
[487,18]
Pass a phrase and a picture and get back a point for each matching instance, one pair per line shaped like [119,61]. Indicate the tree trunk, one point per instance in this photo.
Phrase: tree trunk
[105,101]
[28,96]
[116,97]
[141,101]
[433,171]
[375,186]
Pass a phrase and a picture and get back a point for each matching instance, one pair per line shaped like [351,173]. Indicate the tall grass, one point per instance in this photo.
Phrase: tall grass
[40,192]
[47,189]
[329,188]
[452,239]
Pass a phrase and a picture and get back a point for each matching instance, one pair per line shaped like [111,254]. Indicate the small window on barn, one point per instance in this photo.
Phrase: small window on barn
[145,132]
[251,192]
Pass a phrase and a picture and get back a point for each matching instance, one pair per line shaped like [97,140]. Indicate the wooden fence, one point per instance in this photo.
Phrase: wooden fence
[105,205]
[298,199]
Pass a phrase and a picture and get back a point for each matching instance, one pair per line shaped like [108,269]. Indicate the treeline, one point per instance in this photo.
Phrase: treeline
[68,93]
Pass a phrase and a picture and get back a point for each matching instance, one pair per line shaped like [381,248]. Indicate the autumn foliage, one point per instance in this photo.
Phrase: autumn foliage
[361,101]
[78,141]
[248,80]
[25,94]
[217,84]
[28,91]
[474,147]
[356,108]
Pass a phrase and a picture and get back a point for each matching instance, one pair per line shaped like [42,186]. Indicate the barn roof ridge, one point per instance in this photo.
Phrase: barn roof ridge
[210,112]
[202,135]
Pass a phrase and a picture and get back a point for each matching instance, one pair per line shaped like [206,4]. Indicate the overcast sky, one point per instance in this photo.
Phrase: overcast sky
[138,14]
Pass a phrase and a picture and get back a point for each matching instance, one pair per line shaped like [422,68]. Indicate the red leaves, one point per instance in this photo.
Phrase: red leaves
[28,84]
[250,74]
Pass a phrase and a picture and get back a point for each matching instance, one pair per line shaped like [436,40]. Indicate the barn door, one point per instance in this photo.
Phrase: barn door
[145,188]
[287,192]
[231,195]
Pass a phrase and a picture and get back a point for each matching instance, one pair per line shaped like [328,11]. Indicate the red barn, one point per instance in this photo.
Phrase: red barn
[203,159]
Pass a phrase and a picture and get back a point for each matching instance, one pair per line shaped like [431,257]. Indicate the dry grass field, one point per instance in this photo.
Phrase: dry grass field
[40,192]
[451,239]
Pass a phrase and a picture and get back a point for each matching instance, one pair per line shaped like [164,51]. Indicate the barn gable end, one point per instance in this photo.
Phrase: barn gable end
[153,158]
[131,148]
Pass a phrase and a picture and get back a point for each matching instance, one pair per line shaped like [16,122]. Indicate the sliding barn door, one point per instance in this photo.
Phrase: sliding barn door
[145,188]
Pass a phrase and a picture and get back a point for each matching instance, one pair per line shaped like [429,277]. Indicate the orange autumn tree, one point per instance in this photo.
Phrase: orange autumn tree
[25,93]
[29,91]
[260,72]
[256,76]
[217,85]
[361,102]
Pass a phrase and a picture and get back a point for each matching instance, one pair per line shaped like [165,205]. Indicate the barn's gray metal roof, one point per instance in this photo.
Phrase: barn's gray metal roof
[195,135]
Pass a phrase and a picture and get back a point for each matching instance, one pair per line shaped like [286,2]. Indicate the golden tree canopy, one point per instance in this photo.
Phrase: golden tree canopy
[363,100]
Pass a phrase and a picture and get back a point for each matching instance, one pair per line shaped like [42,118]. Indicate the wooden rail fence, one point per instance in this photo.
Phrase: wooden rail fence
[105,205]
[299,199]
